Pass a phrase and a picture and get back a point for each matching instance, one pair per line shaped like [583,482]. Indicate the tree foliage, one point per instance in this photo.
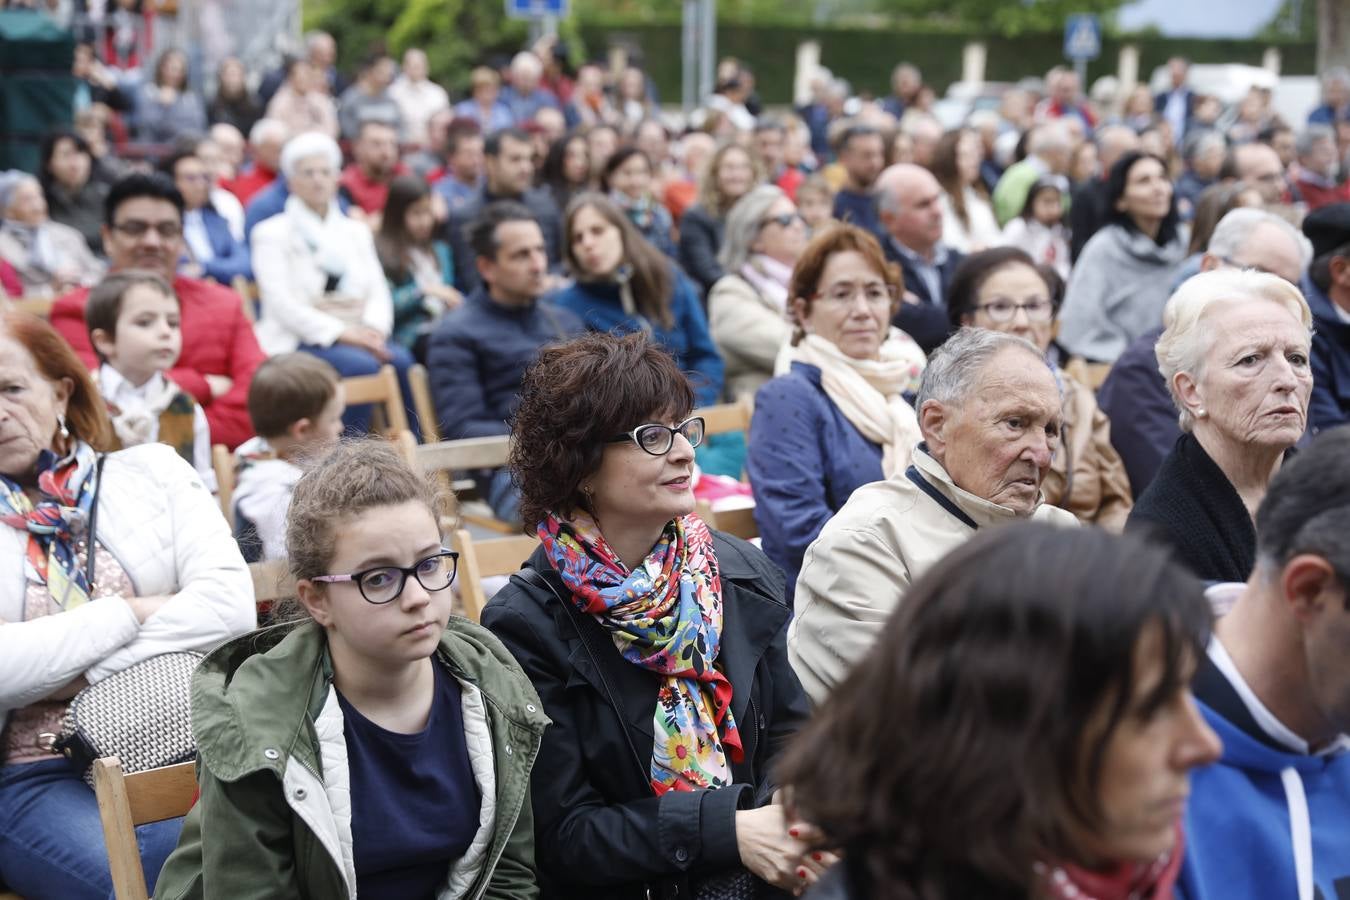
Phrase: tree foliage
[457,34]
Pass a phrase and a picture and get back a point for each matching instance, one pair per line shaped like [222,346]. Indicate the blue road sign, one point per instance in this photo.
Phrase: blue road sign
[536,9]
[1082,37]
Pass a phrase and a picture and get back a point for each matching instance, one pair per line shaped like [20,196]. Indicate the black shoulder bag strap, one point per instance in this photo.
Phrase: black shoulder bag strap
[940,498]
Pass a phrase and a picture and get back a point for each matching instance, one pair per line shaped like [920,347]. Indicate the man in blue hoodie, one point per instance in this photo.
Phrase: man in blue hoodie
[1328,290]
[1271,819]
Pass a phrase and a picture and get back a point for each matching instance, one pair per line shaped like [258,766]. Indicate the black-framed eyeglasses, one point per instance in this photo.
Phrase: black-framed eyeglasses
[135,228]
[785,220]
[381,584]
[1006,310]
[657,439]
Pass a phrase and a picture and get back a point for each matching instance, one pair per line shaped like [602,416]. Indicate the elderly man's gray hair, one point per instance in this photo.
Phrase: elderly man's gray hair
[1339,74]
[1310,137]
[1050,136]
[744,223]
[1207,141]
[1235,229]
[953,371]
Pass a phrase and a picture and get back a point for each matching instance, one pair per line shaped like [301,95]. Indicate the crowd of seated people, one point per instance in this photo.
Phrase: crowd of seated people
[1041,411]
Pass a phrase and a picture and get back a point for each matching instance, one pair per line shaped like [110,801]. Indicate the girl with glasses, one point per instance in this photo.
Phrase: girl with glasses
[373,745]
[1002,290]
[656,644]
[836,417]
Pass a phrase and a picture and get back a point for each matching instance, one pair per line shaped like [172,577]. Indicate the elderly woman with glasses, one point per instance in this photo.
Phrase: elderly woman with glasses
[373,745]
[838,417]
[1235,353]
[1003,290]
[747,307]
[656,644]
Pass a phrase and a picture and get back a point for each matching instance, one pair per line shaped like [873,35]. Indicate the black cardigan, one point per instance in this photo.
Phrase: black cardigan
[1193,507]
[600,831]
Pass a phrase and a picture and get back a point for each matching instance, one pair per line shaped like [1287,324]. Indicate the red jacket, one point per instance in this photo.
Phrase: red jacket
[367,194]
[217,340]
[249,182]
[1318,194]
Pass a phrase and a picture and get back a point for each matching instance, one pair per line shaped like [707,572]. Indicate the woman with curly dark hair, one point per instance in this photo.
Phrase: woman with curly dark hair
[656,644]
[1022,729]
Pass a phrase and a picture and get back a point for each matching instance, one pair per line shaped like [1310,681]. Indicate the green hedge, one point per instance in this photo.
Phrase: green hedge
[866,56]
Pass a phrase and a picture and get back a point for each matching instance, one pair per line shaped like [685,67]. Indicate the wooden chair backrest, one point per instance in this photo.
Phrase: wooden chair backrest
[484,559]
[222,460]
[248,295]
[271,580]
[725,417]
[37,306]
[420,381]
[381,389]
[461,455]
[739,521]
[125,801]
[1091,374]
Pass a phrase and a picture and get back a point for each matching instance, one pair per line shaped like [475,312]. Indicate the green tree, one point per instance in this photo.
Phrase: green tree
[1004,18]
[456,34]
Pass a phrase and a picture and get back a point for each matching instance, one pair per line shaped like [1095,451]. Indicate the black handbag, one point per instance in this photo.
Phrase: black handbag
[735,883]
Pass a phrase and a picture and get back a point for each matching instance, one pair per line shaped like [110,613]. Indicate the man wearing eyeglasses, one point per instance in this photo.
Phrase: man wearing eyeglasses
[1134,396]
[143,229]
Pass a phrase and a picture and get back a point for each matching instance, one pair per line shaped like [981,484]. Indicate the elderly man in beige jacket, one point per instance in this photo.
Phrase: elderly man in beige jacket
[990,414]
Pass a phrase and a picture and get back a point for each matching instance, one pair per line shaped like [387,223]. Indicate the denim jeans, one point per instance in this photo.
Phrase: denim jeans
[51,839]
[351,361]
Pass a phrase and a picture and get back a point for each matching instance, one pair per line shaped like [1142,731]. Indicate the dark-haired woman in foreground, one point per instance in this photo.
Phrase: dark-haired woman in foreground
[1022,729]
[656,644]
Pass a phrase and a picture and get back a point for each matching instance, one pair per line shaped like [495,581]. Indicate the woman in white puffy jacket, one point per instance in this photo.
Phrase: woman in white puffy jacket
[165,576]
[320,281]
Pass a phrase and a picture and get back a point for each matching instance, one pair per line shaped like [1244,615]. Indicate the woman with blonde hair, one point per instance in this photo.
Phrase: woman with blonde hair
[1235,353]
[730,175]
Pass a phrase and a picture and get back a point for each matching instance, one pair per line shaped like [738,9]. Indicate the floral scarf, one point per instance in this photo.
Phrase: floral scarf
[55,522]
[1126,881]
[665,616]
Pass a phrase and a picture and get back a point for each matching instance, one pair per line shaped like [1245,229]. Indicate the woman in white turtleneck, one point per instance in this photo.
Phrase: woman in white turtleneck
[319,277]
[747,308]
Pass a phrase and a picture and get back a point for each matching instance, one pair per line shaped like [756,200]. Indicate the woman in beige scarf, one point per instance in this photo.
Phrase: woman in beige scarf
[835,417]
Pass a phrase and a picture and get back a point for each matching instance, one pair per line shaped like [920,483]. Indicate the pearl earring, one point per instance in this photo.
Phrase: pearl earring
[61,427]
[1200,413]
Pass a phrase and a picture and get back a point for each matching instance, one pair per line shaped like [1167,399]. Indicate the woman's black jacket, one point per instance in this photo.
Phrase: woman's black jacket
[600,831]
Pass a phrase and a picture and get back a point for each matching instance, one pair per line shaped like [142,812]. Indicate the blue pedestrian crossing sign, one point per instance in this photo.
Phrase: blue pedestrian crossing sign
[536,9]
[1082,37]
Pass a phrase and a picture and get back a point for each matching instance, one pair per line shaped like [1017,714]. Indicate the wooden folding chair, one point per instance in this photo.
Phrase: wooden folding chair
[37,306]
[222,460]
[382,390]
[248,296]
[125,801]
[484,559]
[464,455]
[739,521]
[725,417]
[271,581]
[420,382]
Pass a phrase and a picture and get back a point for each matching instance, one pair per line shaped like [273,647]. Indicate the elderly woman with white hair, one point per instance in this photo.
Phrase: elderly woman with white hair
[319,277]
[1234,351]
[747,307]
[49,258]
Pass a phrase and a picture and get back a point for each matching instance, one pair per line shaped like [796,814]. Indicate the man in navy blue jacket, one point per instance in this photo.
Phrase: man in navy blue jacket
[1272,817]
[478,353]
[909,203]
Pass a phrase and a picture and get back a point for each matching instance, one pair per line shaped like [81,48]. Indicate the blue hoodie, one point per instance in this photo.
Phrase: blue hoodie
[1330,403]
[1264,822]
